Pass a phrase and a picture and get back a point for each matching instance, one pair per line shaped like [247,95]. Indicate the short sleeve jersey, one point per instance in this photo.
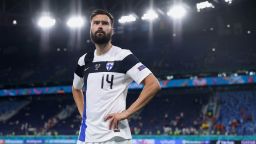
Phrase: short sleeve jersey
[106,82]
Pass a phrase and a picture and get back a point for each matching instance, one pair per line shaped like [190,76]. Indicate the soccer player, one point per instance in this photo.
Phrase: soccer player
[107,72]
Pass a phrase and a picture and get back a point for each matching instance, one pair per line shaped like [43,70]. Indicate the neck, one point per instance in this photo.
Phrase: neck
[103,48]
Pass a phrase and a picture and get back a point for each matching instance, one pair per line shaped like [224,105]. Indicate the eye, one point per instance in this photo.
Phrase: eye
[105,23]
[96,22]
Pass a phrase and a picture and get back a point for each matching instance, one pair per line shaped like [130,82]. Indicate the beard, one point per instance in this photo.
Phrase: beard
[100,37]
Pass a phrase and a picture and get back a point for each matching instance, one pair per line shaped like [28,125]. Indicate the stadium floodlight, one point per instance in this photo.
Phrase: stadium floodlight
[46,22]
[177,12]
[150,15]
[228,1]
[75,22]
[127,19]
[203,5]
[14,22]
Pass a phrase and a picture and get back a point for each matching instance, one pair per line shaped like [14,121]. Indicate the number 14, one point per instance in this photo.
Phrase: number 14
[109,79]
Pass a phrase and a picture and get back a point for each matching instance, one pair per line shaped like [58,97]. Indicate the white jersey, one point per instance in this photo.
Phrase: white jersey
[106,81]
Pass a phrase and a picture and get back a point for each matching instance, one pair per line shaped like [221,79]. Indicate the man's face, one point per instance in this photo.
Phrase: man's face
[101,29]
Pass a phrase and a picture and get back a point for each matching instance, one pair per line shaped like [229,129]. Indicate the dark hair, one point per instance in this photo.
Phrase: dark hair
[102,12]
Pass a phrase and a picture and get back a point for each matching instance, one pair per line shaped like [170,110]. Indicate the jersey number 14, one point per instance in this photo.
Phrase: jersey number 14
[109,79]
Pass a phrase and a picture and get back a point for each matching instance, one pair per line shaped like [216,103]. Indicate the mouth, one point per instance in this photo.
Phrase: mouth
[100,32]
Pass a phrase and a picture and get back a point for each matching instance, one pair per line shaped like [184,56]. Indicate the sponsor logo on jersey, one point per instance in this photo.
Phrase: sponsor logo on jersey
[86,69]
[97,66]
[109,65]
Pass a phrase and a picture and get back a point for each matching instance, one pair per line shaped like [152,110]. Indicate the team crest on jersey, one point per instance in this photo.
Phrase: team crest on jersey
[109,65]
[97,66]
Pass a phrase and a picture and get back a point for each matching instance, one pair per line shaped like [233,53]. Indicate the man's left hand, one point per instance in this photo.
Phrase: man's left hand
[115,118]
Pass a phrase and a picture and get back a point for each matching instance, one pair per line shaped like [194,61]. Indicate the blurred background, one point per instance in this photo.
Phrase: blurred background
[202,52]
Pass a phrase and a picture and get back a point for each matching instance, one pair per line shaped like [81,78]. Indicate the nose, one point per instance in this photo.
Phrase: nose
[100,25]
[100,28]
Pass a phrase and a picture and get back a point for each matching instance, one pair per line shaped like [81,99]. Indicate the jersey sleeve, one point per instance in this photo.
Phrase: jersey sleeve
[135,69]
[78,81]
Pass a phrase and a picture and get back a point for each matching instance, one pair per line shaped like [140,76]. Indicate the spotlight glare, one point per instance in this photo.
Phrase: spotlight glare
[177,12]
[150,15]
[127,19]
[14,22]
[228,1]
[75,22]
[46,22]
[204,5]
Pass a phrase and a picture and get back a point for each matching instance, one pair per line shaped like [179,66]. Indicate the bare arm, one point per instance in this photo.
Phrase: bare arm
[151,87]
[79,99]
